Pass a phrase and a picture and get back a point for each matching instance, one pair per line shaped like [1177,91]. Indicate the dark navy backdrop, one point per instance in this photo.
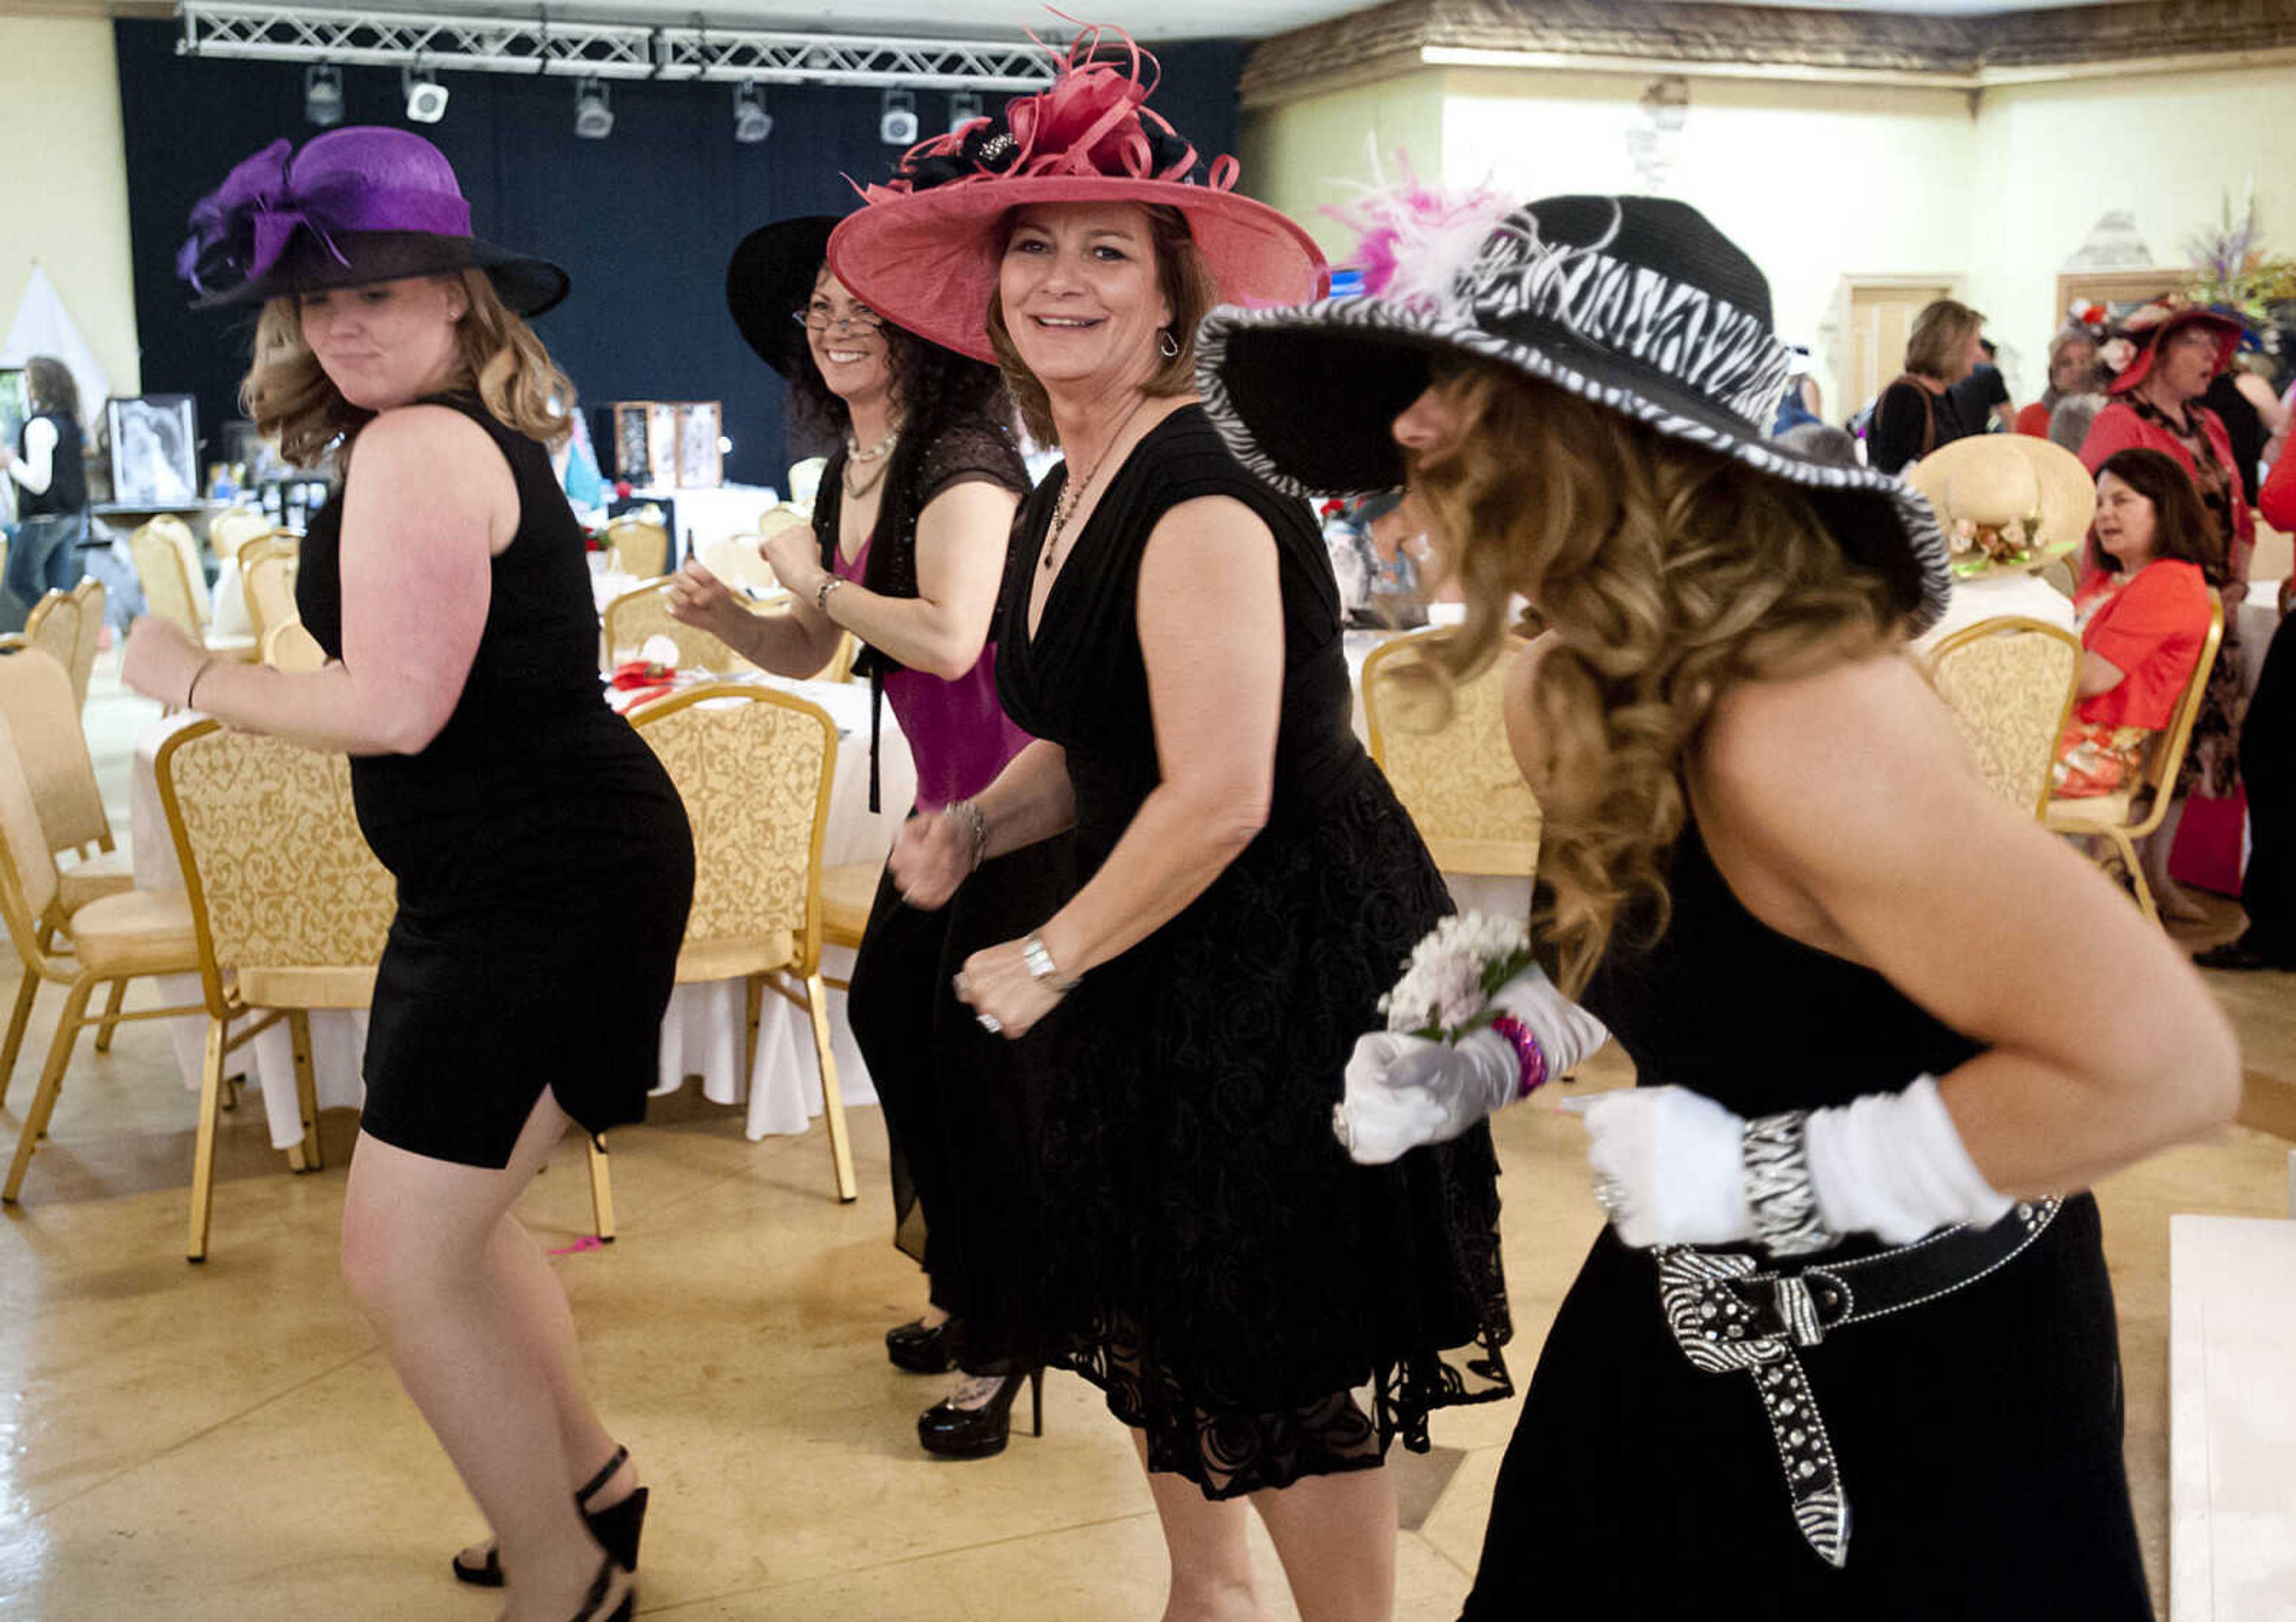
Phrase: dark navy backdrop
[644,221]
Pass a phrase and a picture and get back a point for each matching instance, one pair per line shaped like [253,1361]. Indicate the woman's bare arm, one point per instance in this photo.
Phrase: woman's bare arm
[1843,810]
[433,502]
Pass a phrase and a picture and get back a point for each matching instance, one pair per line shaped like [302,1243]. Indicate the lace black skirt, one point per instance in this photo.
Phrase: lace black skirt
[1261,1306]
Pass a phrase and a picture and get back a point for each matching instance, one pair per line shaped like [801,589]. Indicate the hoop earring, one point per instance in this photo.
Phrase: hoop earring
[1168,346]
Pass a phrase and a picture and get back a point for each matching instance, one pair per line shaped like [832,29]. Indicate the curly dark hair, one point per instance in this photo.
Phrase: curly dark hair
[49,383]
[932,388]
[2182,528]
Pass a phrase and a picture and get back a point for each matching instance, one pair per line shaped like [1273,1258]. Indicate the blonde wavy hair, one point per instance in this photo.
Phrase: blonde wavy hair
[1666,574]
[291,399]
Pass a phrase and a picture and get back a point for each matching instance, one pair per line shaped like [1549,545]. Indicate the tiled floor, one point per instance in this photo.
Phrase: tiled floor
[227,1441]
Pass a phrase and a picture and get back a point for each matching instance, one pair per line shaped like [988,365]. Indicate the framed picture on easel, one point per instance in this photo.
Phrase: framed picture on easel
[15,405]
[155,450]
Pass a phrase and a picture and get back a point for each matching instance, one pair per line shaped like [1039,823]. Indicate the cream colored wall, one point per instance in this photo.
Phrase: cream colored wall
[2051,159]
[64,180]
[1302,157]
[1822,183]
[1815,182]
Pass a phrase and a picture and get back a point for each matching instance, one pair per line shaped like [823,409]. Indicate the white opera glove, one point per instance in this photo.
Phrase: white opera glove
[1893,1165]
[1405,1090]
[1674,1167]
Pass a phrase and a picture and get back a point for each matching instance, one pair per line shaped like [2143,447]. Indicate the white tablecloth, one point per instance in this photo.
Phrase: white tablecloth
[703,1033]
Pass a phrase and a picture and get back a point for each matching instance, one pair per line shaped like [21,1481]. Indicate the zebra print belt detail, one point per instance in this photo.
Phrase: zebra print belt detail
[1727,1316]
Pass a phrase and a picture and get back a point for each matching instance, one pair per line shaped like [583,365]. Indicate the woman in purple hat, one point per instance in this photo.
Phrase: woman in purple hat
[543,858]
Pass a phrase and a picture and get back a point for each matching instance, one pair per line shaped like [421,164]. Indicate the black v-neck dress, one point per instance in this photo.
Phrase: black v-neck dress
[543,857]
[1977,1435]
[1215,1263]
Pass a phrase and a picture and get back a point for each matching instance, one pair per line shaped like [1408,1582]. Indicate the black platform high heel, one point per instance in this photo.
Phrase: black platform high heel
[916,1349]
[979,1433]
[617,1527]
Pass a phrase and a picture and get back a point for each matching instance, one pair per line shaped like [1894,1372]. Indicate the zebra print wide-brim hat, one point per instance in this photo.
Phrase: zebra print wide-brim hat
[1636,303]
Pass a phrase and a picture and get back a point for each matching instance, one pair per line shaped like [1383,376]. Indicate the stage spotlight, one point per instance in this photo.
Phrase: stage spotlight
[963,107]
[426,97]
[594,117]
[323,94]
[751,122]
[896,121]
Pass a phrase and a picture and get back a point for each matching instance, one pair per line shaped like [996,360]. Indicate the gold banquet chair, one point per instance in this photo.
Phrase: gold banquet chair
[2119,820]
[633,616]
[45,727]
[2011,683]
[638,544]
[114,938]
[52,627]
[1458,781]
[176,588]
[754,767]
[290,909]
[268,565]
[736,560]
[288,646]
[232,528]
[91,596]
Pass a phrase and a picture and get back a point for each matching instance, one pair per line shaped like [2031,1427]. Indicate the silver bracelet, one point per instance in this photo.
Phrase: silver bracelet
[975,823]
[829,583]
[1774,1159]
[1042,967]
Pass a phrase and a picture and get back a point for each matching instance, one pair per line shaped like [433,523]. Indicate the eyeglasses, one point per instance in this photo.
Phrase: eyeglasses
[821,320]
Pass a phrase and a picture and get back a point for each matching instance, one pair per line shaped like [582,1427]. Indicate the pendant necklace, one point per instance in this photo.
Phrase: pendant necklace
[876,453]
[1072,493]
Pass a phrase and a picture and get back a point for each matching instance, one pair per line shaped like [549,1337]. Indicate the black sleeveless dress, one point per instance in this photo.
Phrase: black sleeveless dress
[544,863]
[1978,1436]
[1215,1263]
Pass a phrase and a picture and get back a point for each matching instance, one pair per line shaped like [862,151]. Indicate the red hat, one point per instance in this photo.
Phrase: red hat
[924,252]
[2145,330]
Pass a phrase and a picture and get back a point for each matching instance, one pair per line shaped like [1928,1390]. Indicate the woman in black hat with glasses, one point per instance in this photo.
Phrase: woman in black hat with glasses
[1847,1348]
[907,552]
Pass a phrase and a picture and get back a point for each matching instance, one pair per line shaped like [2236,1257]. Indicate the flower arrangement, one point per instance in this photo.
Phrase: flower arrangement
[1447,982]
[1978,546]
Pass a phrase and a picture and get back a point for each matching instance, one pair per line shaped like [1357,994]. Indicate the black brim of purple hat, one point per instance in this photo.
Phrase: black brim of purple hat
[1636,304]
[770,278]
[529,285]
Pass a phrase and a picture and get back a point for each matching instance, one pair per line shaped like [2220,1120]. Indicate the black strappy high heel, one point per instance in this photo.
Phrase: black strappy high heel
[617,1527]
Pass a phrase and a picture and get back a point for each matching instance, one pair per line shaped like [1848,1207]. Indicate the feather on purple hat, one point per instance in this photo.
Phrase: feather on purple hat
[354,207]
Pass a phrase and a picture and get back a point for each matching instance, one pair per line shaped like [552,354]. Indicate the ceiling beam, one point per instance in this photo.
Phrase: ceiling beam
[1967,53]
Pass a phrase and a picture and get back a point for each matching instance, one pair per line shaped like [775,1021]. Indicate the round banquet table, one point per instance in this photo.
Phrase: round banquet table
[701,1033]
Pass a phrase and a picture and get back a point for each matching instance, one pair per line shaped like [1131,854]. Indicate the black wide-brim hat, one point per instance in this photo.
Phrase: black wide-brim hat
[771,278]
[354,207]
[1637,304]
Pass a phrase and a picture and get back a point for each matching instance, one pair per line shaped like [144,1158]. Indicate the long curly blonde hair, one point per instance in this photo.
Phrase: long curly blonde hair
[1666,574]
[291,399]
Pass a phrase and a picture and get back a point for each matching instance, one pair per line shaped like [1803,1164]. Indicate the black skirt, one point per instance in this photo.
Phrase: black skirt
[542,901]
[1978,1436]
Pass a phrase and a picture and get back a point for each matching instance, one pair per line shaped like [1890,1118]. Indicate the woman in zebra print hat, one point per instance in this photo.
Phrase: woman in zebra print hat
[1884,1028]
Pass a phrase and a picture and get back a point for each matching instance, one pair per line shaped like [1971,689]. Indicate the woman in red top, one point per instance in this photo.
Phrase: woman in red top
[2166,357]
[2144,616]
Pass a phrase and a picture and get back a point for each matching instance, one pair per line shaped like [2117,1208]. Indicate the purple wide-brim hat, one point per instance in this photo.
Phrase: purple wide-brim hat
[354,207]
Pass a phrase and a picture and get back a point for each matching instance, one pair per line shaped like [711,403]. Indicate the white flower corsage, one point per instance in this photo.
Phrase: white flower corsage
[1447,986]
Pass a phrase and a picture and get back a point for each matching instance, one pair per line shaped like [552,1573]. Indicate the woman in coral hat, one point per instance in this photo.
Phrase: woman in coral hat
[1217,1265]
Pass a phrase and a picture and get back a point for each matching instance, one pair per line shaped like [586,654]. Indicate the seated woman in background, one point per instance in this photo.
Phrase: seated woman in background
[1916,414]
[2144,616]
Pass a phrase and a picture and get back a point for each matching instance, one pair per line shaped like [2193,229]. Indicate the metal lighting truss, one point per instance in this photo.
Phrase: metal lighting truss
[543,45]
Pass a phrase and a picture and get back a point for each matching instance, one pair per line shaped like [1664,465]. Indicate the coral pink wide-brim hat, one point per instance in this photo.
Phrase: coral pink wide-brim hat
[925,250]
[2152,326]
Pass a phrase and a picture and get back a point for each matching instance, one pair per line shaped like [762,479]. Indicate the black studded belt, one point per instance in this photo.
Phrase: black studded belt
[1726,1316]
